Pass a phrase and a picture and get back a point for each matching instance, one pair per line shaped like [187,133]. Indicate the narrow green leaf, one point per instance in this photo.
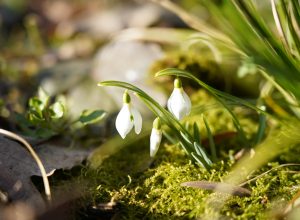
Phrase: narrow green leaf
[91,117]
[197,136]
[200,160]
[289,22]
[186,138]
[169,137]
[296,12]
[211,140]
[202,153]
[261,129]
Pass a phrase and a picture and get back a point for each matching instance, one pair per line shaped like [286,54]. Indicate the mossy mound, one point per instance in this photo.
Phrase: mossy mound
[155,191]
[151,189]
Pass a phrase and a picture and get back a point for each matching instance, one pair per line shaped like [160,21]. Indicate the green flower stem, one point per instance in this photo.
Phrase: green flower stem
[185,142]
[214,92]
[143,95]
[166,117]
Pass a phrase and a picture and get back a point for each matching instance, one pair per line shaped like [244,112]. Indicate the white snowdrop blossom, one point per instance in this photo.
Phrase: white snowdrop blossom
[155,138]
[128,118]
[179,104]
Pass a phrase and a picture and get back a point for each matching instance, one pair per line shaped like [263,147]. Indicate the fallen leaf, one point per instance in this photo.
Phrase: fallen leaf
[17,166]
[219,187]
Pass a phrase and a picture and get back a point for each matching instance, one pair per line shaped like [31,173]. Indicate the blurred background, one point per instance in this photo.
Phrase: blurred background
[66,47]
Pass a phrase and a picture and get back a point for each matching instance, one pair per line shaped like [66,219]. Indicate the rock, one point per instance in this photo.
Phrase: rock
[87,95]
[104,23]
[127,61]
[64,76]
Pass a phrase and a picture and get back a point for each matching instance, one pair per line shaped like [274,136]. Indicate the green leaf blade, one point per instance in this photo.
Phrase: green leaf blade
[91,117]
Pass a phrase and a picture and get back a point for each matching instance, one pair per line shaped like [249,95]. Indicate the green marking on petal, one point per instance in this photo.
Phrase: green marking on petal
[131,118]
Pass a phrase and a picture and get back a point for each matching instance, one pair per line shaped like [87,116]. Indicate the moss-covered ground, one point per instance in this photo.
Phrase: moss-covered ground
[155,192]
[148,188]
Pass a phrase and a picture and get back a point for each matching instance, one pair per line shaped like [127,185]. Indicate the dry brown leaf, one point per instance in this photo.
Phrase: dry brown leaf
[17,166]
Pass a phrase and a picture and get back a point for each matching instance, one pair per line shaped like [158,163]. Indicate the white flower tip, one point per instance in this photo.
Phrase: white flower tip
[137,120]
[155,139]
[123,136]
[137,130]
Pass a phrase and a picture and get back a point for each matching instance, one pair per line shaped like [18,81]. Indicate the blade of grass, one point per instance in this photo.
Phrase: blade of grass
[289,22]
[261,128]
[211,140]
[278,23]
[202,153]
[197,136]
[296,12]
[245,26]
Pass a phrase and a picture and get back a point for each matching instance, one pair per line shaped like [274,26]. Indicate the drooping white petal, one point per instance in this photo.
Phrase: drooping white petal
[124,122]
[155,140]
[137,120]
[188,104]
[179,104]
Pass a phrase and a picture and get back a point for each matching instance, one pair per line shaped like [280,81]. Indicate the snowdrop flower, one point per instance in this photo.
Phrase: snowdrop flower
[128,118]
[155,138]
[179,104]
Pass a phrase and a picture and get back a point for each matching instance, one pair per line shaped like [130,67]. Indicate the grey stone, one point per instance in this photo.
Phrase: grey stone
[128,61]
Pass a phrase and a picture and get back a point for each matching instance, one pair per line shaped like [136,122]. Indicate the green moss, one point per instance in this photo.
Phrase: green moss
[151,189]
[155,191]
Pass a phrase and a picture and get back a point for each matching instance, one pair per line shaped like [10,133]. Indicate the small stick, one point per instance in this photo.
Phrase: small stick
[35,157]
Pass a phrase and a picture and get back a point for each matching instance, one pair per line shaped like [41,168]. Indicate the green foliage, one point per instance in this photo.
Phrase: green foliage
[155,191]
[276,53]
[91,117]
[151,189]
[46,118]
[41,110]
[211,140]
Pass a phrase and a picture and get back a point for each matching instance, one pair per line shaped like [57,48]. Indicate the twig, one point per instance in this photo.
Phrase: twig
[35,157]
[264,173]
